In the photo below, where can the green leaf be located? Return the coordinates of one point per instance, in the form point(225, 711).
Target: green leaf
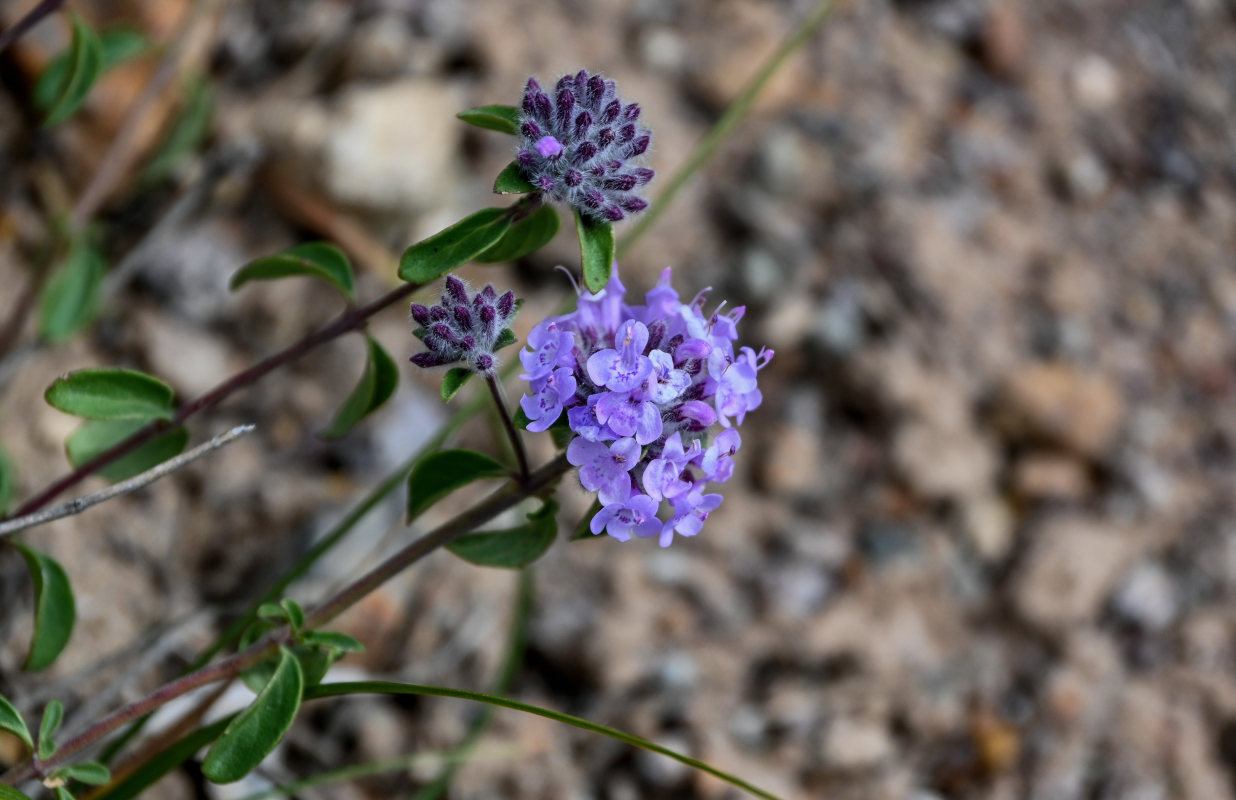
point(272, 612)
point(160, 765)
point(377, 384)
point(252, 735)
point(511, 180)
point(391, 688)
point(54, 609)
point(582, 529)
point(504, 119)
point(88, 772)
point(521, 419)
point(115, 46)
point(295, 614)
point(526, 236)
point(11, 721)
point(53, 715)
point(453, 381)
point(121, 44)
point(596, 251)
point(111, 394)
point(458, 244)
point(95, 436)
point(67, 87)
point(188, 131)
point(8, 481)
point(63, 794)
point(317, 259)
point(510, 548)
point(334, 641)
point(9, 793)
point(69, 301)
point(505, 339)
point(439, 474)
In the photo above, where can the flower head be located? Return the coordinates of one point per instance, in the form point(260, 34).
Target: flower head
point(641, 388)
point(579, 142)
point(464, 329)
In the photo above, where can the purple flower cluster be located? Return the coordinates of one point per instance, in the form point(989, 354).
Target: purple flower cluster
point(577, 144)
point(641, 387)
point(464, 330)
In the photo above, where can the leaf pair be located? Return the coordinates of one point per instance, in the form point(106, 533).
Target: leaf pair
point(69, 77)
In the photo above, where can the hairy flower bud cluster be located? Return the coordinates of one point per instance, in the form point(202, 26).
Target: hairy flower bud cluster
point(577, 142)
point(641, 387)
point(464, 329)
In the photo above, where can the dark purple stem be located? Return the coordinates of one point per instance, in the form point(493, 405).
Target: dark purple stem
point(517, 444)
point(345, 323)
point(32, 18)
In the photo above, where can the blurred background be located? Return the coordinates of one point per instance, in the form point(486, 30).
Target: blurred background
point(981, 542)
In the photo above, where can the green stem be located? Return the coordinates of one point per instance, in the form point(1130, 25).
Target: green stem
point(733, 115)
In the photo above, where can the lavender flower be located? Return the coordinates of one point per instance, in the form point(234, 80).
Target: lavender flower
point(464, 329)
point(578, 142)
point(641, 386)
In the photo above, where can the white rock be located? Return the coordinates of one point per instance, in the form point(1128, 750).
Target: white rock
point(1147, 597)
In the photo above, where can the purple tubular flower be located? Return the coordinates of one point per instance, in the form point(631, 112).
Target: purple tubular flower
point(463, 329)
point(586, 122)
point(644, 387)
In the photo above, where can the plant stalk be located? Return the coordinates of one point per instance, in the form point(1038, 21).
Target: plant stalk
point(512, 433)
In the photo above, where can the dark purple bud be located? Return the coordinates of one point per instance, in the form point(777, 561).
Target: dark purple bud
point(605, 136)
point(593, 198)
point(532, 87)
point(613, 165)
point(640, 145)
point(506, 305)
point(597, 172)
point(488, 292)
point(563, 82)
point(581, 82)
point(584, 153)
point(673, 344)
point(457, 289)
point(545, 183)
point(420, 314)
point(426, 360)
point(566, 108)
point(484, 362)
point(529, 103)
point(656, 332)
point(464, 317)
point(542, 107)
point(620, 183)
point(573, 177)
point(595, 91)
point(634, 204)
point(626, 133)
point(631, 112)
point(525, 158)
point(642, 175)
point(437, 314)
point(582, 123)
point(444, 332)
point(612, 213)
point(530, 129)
point(488, 317)
point(611, 112)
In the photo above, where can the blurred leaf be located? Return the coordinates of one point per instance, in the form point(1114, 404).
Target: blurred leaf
point(8, 481)
point(115, 46)
point(61, 91)
point(11, 721)
point(89, 772)
point(49, 726)
point(521, 419)
point(334, 641)
point(377, 384)
point(504, 119)
point(9, 793)
point(453, 381)
point(582, 529)
point(63, 794)
point(318, 259)
point(505, 339)
point(510, 548)
point(526, 236)
point(96, 436)
point(295, 614)
point(259, 728)
point(54, 610)
point(512, 181)
point(458, 244)
point(439, 474)
point(187, 133)
point(111, 394)
point(121, 44)
point(70, 298)
point(596, 251)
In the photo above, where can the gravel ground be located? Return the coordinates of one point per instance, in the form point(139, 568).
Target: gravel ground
point(981, 542)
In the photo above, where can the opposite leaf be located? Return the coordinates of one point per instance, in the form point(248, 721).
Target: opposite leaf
point(11, 721)
point(526, 236)
point(8, 482)
point(596, 251)
point(89, 772)
point(504, 119)
point(439, 474)
point(254, 734)
point(510, 548)
point(376, 386)
point(458, 244)
point(53, 715)
point(512, 181)
point(111, 394)
point(70, 86)
point(55, 610)
point(70, 299)
point(317, 259)
point(453, 381)
point(95, 436)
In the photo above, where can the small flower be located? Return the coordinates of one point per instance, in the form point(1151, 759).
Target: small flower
point(463, 329)
point(638, 514)
point(603, 468)
point(544, 407)
point(579, 143)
